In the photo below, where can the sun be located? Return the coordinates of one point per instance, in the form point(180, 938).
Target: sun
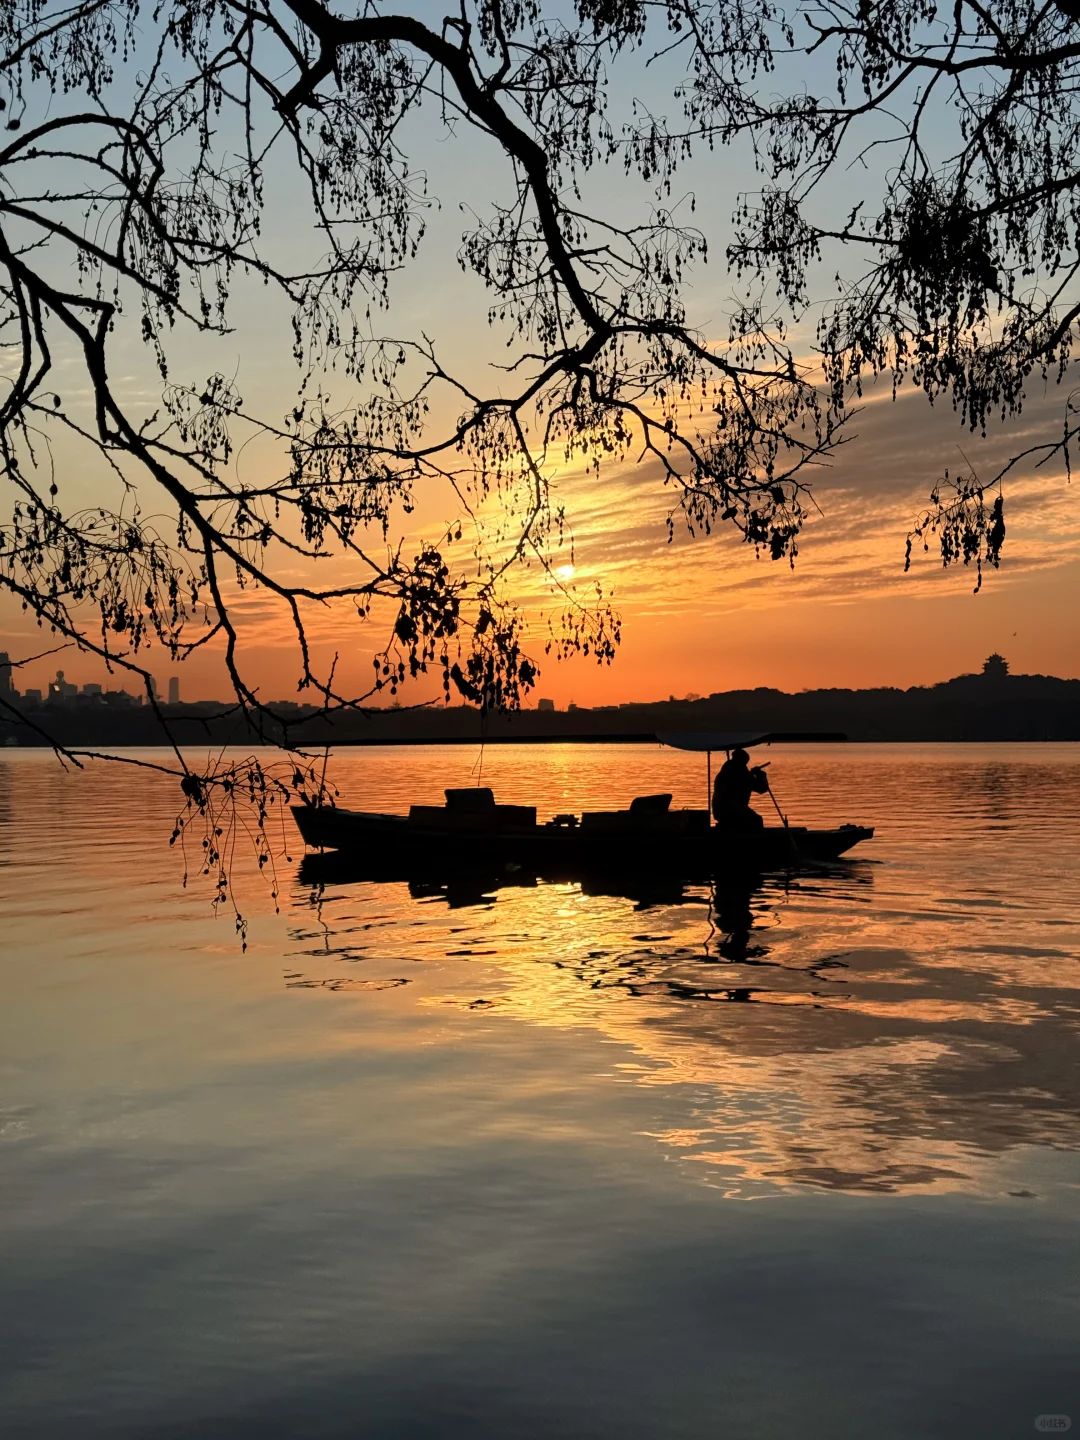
point(565, 572)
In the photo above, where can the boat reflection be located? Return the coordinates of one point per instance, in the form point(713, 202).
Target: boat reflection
point(462, 886)
point(738, 911)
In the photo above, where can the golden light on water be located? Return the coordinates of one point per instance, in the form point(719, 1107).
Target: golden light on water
point(841, 1030)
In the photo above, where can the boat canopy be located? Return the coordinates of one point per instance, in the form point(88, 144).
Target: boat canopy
point(727, 740)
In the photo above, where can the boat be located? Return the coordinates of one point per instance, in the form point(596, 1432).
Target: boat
point(648, 835)
point(472, 830)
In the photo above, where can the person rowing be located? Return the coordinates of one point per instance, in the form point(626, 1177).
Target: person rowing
point(735, 783)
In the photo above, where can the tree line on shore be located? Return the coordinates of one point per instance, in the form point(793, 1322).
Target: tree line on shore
point(991, 705)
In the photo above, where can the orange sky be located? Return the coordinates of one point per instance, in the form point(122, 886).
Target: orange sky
point(698, 615)
point(704, 614)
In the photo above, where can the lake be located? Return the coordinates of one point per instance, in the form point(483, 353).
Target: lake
point(520, 1160)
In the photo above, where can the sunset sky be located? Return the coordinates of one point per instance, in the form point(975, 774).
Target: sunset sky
point(698, 615)
point(704, 614)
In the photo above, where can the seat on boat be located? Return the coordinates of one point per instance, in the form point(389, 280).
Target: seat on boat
point(473, 811)
point(650, 804)
point(478, 799)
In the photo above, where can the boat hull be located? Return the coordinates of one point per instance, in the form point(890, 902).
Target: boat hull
point(393, 843)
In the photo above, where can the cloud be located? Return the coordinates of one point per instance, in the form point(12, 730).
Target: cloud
point(853, 549)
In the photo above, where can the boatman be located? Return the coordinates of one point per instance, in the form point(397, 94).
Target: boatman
point(735, 783)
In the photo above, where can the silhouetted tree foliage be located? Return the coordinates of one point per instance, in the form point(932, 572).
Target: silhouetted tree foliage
point(140, 149)
point(136, 160)
point(931, 153)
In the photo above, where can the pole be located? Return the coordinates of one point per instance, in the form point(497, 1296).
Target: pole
point(708, 783)
point(774, 800)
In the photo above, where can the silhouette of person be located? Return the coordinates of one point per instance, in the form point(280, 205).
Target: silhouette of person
point(735, 783)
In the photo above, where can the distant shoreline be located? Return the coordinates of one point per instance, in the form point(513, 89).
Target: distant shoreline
point(992, 706)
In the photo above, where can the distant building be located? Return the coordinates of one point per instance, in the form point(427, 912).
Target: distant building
point(61, 691)
point(32, 697)
point(571, 706)
point(92, 689)
point(174, 690)
point(995, 667)
point(547, 705)
point(7, 689)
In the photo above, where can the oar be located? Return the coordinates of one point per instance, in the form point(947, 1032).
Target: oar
point(774, 800)
point(793, 849)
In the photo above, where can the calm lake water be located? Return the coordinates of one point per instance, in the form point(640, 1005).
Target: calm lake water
point(801, 1160)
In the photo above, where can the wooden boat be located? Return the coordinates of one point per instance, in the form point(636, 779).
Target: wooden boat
point(471, 828)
